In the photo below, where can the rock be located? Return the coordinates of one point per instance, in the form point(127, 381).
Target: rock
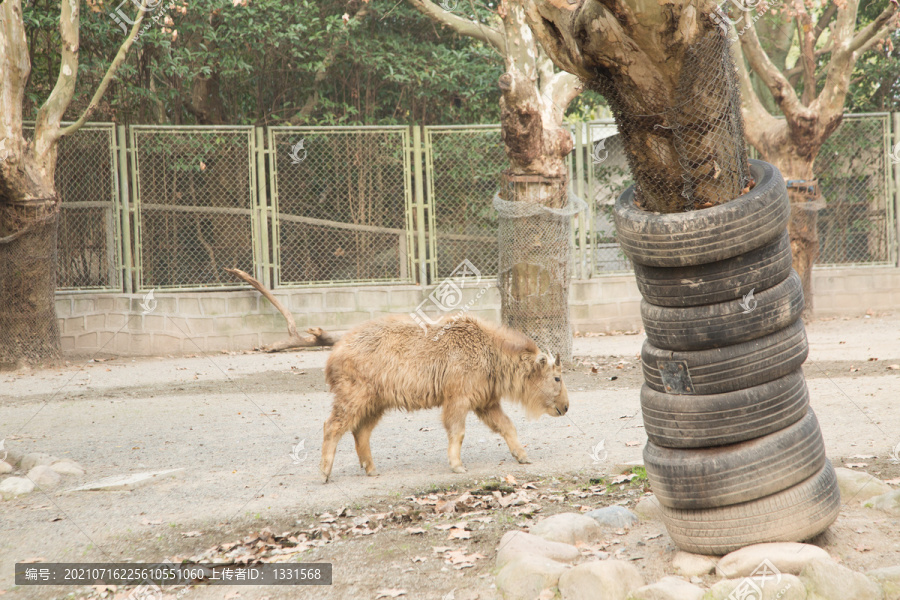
point(525, 577)
point(44, 477)
point(859, 486)
point(5, 467)
point(600, 580)
point(126, 482)
point(827, 580)
point(648, 508)
point(614, 516)
point(785, 587)
point(889, 502)
point(786, 557)
point(35, 459)
point(13, 457)
point(889, 579)
point(668, 588)
point(15, 486)
point(516, 543)
point(691, 565)
point(568, 528)
point(68, 467)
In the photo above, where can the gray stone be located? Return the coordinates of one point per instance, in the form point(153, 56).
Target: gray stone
point(15, 486)
point(827, 580)
point(126, 482)
point(889, 579)
point(786, 557)
point(785, 587)
point(5, 467)
point(68, 467)
point(600, 580)
point(568, 528)
point(35, 459)
point(614, 516)
point(525, 577)
point(889, 502)
point(516, 543)
point(668, 588)
point(648, 508)
point(858, 486)
point(13, 457)
point(691, 565)
point(44, 477)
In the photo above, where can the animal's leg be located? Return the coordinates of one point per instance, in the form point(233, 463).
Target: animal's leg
point(494, 417)
point(335, 427)
point(454, 417)
point(361, 434)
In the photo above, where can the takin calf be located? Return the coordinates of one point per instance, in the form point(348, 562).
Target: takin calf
point(462, 364)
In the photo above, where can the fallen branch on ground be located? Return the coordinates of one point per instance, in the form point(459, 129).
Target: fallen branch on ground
point(317, 336)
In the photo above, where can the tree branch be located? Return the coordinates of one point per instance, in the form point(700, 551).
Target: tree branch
point(824, 20)
point(781, 88)
point(876, 29)
point(757, 120)
point(461, 25)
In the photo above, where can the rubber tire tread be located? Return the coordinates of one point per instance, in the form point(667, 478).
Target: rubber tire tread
point(724, 323)
point(734, 367)
point(703, 236)
point(723, 475)
point(683, 421)
point(796, 514)
point(719, 281)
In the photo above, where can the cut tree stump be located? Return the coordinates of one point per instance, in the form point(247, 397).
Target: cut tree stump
point(317, 337)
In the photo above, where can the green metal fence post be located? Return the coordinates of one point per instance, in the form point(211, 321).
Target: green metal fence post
point(125, 209)
point(579, 254)
point(895, 159)
point(262, 210)
point(419, 203)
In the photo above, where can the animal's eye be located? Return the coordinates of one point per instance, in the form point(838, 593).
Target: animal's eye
point(556, 378)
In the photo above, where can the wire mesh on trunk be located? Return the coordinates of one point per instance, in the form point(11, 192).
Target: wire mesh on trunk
point(29, 330)
point(685, 147)
point(535, 247)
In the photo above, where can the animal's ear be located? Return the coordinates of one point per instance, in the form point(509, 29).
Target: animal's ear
point(557, 359)
point(541, 359)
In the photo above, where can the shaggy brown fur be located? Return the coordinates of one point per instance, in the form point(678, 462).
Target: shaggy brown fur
point(461, 365)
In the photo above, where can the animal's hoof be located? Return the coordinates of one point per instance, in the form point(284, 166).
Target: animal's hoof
point(523, 460)
point(459, 469)
point(324, 478)
point(372, 473)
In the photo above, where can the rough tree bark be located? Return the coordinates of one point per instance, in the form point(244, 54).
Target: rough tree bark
point(793, 143)
point(534, 97)
point(642, 57)
point(29, 205)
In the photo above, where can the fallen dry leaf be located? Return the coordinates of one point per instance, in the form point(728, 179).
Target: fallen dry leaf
point(893, 367)
point(893, 481)
point(35, 559)
point(856, 465)
point(191, 533)
point(510, 480)
point(448, 506)
point(633, 443)
point(390, 593)
point(414, 530)
point(863, 548)
point(418, 559)
point(441, 549)
point(459, 534)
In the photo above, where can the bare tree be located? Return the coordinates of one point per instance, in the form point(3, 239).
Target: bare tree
point(534, 97)
point(827, 43)
point(29, 204)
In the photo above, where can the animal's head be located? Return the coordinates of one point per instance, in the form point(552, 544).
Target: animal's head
point(545, 392)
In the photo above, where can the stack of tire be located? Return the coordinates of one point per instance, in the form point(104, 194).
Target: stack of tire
point(735, 455)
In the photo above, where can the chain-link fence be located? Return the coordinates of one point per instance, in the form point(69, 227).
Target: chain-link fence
point(194, 197)
point(343, 204)
point(463, 166)
point(857, 223)
point(608, 176)
point(88, 237)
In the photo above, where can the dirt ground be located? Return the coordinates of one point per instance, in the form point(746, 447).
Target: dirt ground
point(231, 421)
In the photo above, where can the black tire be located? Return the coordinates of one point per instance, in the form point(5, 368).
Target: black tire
point(796, 514)
point(673, 421)
point(711, 477)
point(708, 235)
point(719, 281)
point(732, 368)
point(724, 323)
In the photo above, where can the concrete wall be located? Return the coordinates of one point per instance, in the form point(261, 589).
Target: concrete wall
point(190, 322)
